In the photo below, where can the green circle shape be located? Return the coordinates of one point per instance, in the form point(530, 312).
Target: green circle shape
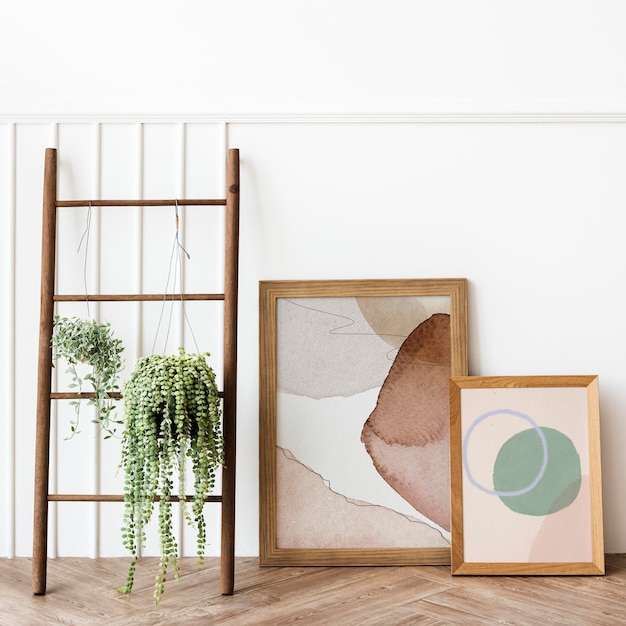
point(518, 462)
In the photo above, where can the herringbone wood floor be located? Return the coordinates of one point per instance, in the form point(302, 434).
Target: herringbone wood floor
point(81, 591)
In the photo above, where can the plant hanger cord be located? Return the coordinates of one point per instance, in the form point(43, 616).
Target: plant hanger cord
point(176, 258)
point(85, 238)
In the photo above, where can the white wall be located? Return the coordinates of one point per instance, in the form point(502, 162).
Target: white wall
point(396, 139)
point(284, 55)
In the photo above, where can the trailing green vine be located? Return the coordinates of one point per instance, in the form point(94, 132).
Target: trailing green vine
point(86, 341)
point(173, 413)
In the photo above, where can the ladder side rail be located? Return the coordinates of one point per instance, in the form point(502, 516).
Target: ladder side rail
point(44, 375)
point(231, 271)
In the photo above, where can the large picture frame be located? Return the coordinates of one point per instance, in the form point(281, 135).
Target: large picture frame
point(354, 419)
point(525, 475)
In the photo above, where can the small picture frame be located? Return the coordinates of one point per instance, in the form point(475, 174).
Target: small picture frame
point(525, 475)
point(354, 419)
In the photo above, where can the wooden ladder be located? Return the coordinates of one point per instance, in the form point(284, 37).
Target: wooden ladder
point(44, 384)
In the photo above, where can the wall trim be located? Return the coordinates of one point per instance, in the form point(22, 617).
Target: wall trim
point(449, 117)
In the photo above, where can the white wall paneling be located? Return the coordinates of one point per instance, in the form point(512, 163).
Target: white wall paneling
point(128, 250)
point(525, 206)
point(7, 323)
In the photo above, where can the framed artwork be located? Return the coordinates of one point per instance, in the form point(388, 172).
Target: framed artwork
point(354, 419)
point(525, 474)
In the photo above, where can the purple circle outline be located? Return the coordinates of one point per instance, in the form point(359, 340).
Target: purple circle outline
point(544, 444)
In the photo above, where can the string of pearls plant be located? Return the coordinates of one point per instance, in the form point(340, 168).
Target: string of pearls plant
point(173, 414)
point(86, 341)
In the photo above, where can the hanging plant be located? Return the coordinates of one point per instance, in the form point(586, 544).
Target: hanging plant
point(92, 343)
point(173, 414)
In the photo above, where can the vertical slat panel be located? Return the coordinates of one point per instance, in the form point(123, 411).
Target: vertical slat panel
point(94, 287)
point(76, 262)
point(139, 172)
point(120, 172)
point(30, 142)
point(9, 512)
point(180, 331)
point(203, 272)
point(162, 163)
point(139, 213)
point(181, 192)
point(53, 507)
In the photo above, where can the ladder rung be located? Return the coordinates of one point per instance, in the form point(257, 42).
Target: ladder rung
point(129, 203)
point(136, 297)
point(77, 497)
point(86, 395)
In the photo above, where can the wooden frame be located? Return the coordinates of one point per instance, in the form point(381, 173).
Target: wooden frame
point(525, 475)
point(337, 403)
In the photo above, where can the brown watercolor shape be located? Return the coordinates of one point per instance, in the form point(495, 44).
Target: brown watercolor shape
point(406, 435)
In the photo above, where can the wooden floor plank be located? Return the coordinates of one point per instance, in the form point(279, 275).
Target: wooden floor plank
point(520, 610)
point(453, 616)
point(82, 591)
point(586, 600)
point(339, 595)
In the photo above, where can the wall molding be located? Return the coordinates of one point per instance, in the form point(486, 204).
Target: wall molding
point(425, 117)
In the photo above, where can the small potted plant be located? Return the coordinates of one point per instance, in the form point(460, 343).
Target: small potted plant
point(91, 343)
point(172, 415)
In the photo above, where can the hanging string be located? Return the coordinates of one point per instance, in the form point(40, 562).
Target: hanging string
point(85, 238)
point(179, 246)
point(176, 259)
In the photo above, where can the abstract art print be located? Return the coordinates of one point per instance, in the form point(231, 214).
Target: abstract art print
point(525, 473)
point(354, 419)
